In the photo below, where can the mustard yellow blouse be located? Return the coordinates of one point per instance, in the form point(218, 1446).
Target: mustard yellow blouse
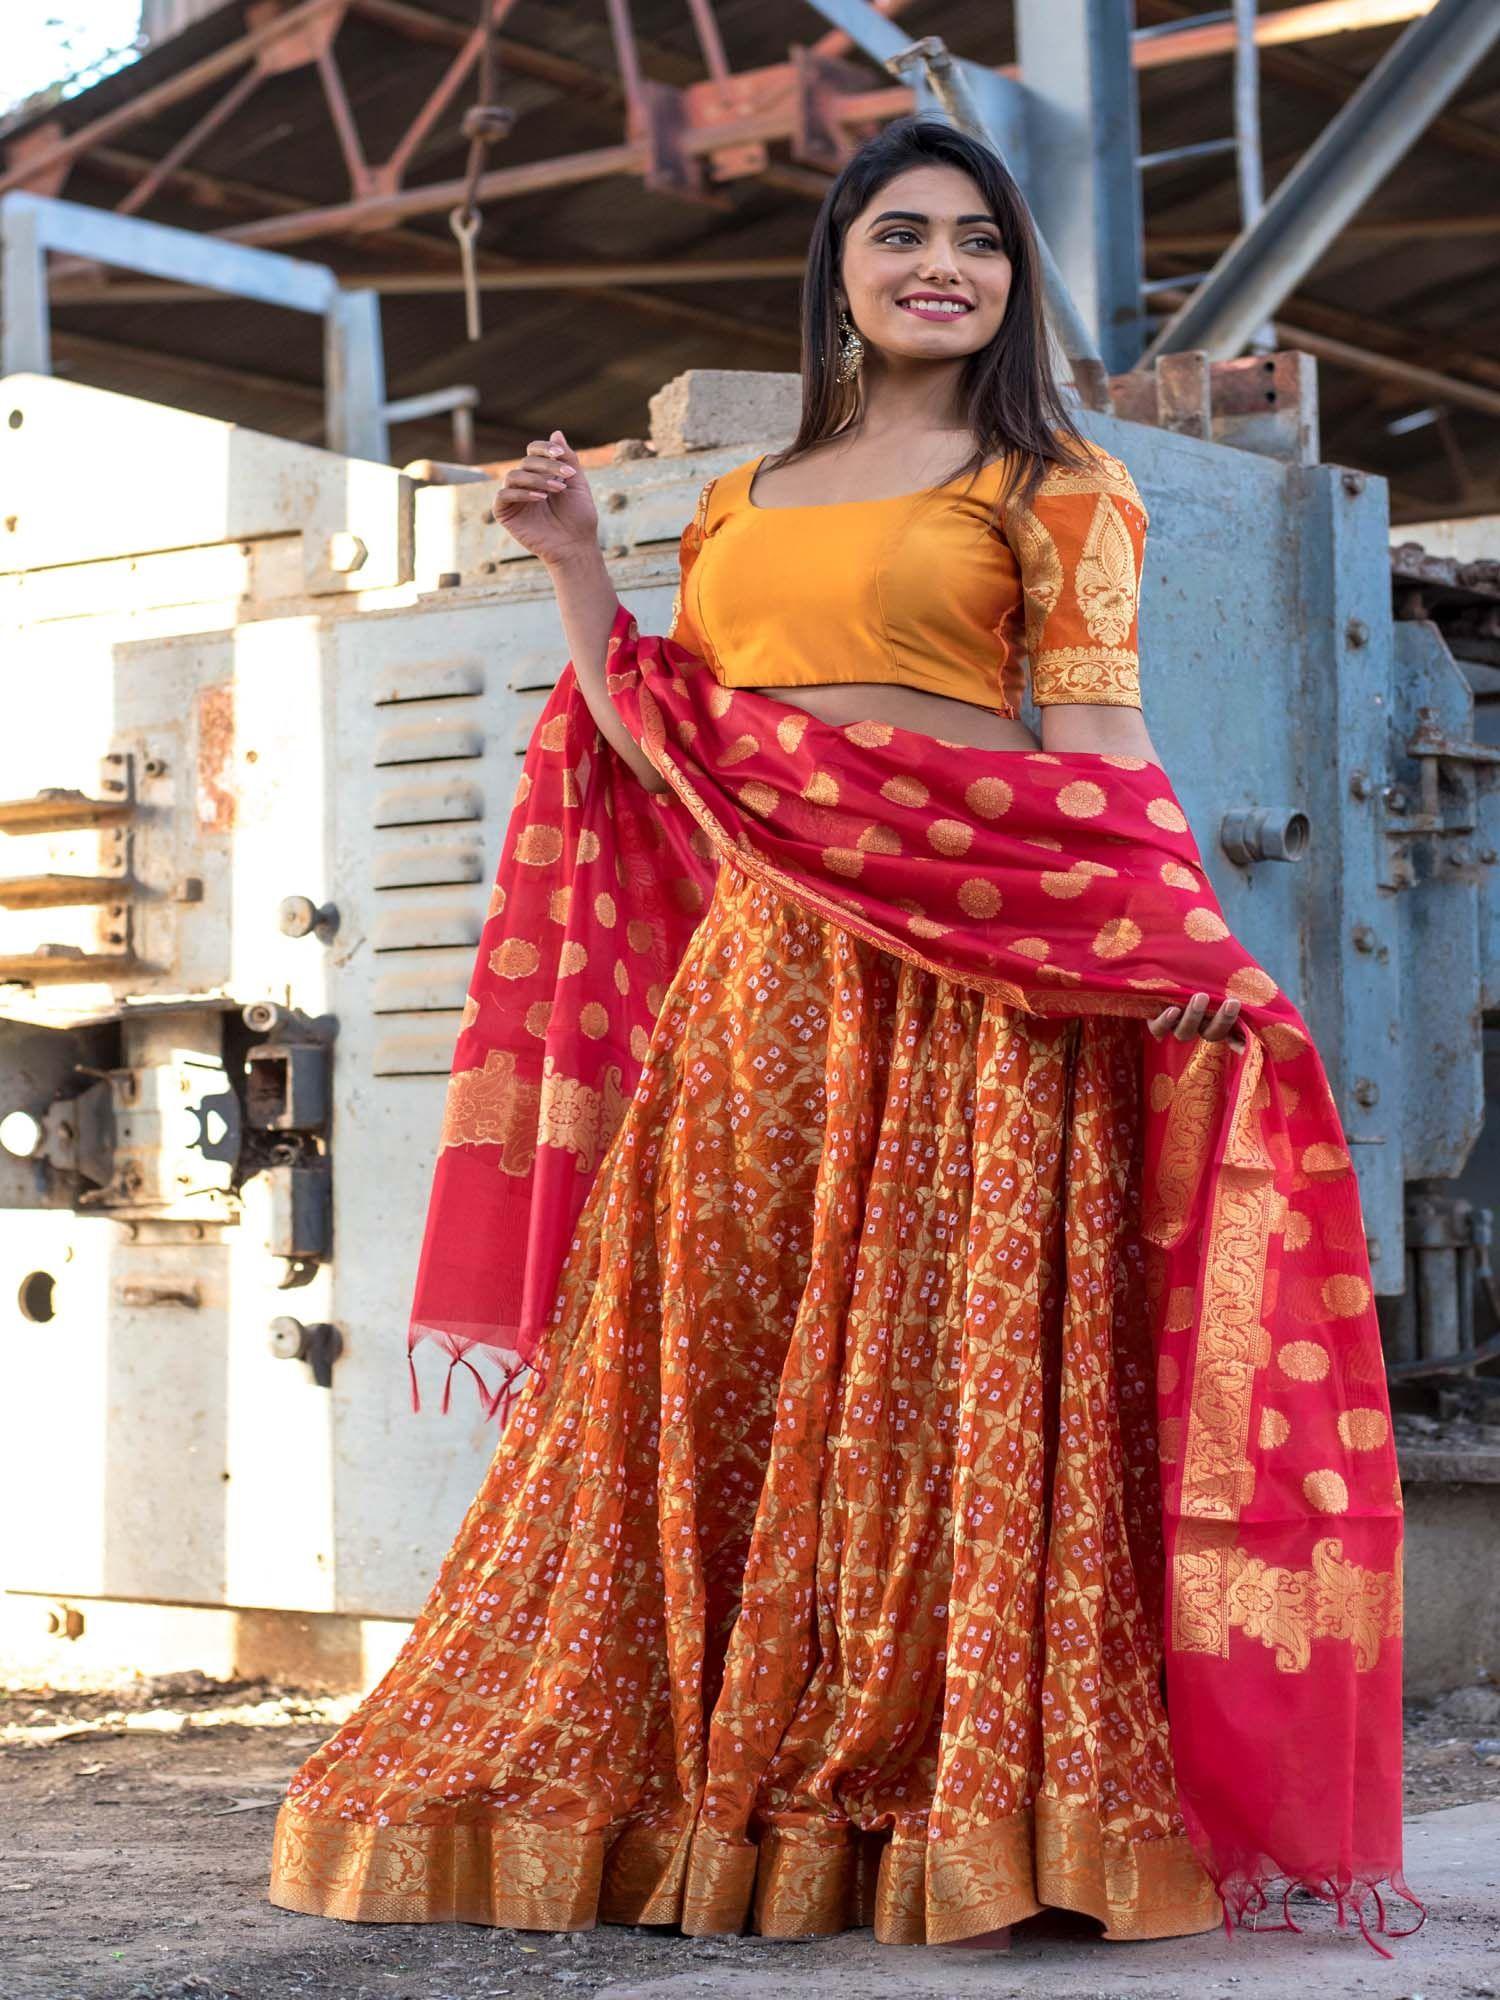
point(921, 590)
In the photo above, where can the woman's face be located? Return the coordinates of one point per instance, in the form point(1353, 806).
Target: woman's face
point(924, 274)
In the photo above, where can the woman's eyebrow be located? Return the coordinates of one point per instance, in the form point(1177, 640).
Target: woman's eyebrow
point(911, 215)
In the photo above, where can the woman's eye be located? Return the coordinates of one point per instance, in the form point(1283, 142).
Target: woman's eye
point(983, 242)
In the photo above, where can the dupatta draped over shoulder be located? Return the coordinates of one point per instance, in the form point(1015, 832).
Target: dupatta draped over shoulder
point(1067, 885)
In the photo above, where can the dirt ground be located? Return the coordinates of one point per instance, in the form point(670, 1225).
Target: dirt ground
point(135, 1822)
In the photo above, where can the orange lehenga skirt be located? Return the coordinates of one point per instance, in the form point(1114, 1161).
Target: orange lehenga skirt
point(819, 1582)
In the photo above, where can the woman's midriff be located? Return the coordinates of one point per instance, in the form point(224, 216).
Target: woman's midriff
point(937, 715)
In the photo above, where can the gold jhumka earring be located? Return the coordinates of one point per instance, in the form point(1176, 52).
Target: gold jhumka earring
point(851, 348)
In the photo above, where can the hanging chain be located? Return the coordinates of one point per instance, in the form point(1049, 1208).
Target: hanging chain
point(485, 121)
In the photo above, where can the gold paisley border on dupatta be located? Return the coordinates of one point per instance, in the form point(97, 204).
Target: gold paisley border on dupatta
point(797, 1881)
point(1232, 1343)
point(488, 1107)
point(1220, 1590)
point(576, 1118)
point(1192, 1119)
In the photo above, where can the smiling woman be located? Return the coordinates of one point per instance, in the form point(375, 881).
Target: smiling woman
point(954, 1474)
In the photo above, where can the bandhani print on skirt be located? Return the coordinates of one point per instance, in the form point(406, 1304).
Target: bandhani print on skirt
point(1067, 885)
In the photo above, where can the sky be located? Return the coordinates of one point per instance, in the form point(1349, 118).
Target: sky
point(46, 40)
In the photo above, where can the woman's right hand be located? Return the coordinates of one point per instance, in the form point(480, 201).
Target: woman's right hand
point(546, 504)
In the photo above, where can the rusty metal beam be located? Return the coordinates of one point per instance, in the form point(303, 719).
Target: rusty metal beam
point(342, 114)
point(565, 72)
point(378, 211)
point(390, 175)
point(211, 191)
point(1185, 45)
point(217, 114)
point(710, 42)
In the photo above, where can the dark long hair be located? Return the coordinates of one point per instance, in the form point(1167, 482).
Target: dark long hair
point(1013, 406)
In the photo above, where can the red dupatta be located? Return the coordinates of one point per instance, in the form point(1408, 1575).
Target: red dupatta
point(1067, 885)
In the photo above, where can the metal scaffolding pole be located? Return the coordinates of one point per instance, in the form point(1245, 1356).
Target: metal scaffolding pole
point(1390, 110)
point(1083, 169)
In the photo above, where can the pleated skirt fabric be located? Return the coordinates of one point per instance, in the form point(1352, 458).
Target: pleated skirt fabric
point(818, 1582)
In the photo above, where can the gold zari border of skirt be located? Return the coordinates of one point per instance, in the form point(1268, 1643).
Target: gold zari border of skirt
point(802, 1881)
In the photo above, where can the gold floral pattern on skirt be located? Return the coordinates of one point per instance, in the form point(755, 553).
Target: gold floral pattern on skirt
point(820, 1582)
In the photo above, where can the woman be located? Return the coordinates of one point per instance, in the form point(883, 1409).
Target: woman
point(954, 1476)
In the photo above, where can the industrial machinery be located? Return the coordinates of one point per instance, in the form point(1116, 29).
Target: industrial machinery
point(265, 706)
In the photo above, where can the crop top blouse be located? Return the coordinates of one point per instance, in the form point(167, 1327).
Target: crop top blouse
point(921, 590)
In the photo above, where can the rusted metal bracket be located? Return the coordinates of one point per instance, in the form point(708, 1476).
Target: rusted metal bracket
point(663, 119)
point(818, 137)
point(1266, 403)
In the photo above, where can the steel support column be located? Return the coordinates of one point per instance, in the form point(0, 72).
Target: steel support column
point(1389, 111)
point(1083, 182)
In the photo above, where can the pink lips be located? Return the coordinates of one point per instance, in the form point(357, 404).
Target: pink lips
point(915, 304)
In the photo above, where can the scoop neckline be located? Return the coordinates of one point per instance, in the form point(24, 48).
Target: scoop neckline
point(829, 506)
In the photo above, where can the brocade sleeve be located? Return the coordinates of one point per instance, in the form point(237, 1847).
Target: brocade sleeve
point(1079, 546)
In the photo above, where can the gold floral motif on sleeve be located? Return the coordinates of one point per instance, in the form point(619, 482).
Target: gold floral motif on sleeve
point(1078, 546)
point(1105, 578)
point(1041, 572)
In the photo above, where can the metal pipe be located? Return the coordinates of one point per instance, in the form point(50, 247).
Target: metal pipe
point(343, 120)
point(1198, 149)
point(435, 403)
point(1404, 92)
point(1250, 167)
point(1251, 171)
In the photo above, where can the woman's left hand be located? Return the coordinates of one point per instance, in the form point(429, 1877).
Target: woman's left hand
point(1185, 1022)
